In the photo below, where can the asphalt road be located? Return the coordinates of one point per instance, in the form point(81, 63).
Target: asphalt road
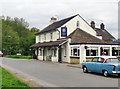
point(58, 75)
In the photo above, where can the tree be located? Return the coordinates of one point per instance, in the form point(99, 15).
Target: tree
point(16, 36)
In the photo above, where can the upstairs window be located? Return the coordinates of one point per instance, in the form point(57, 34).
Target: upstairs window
point(51, 36)
point(44, 37)
point(39, 38)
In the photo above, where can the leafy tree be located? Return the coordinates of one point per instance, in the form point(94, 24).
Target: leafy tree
point(16, 36)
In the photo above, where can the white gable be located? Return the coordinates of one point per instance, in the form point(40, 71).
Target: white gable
point(72, 25)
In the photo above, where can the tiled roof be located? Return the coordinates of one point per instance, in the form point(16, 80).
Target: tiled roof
point(48, 44)
point(106, 36)
point(80, 36)
point(55, 25)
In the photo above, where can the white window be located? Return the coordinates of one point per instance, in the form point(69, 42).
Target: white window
point(92, 51)
point(44, 37)
point(105, 50)
point(115, 51)
point(54, 52)
point(39, 38)
point(40, 52)
point(75, 51)
point(51, 36)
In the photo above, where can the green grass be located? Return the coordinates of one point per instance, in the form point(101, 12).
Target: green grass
point(10, 81)
point(18, 56)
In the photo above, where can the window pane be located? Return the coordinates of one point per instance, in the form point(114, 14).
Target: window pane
point(94, 52)
point(75, 52)
point(114, 52)
point(87, 53)
point(78, 52)
point(107, 52)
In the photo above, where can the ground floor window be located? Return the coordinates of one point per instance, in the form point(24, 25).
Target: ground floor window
point(115, 51)
point(92, 52)
point(40, 52)
point(75, 51)
point(105, 50)
point(54, 52)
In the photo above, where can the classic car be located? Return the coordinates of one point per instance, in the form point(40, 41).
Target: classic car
point(106, 65)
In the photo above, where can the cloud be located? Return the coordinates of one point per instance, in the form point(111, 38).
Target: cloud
point(39, 12)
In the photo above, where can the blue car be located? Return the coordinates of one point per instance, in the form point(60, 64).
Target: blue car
point(106, 65)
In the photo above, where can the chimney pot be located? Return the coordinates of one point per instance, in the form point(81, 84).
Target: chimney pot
point(53, 19)
point(102, 26)
point(92, 24)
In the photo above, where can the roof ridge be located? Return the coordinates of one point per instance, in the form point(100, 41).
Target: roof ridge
point(56, 24)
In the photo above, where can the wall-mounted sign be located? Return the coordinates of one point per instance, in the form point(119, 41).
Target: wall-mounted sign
point(63, 31)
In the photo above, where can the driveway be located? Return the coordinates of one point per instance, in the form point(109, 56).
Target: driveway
point(58, 75)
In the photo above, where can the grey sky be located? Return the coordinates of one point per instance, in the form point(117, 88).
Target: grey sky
point(39, 12)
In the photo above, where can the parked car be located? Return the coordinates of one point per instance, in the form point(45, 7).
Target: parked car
point(1, 54)
point(106, 65)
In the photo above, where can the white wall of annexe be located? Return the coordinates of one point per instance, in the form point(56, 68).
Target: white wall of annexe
point(79, 52)
point(83, 56)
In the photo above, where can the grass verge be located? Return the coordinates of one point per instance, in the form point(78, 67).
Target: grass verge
point(18, 56)
point(11, 82)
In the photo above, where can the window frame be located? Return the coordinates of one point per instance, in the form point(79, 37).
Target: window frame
point(90, 49)
point(77, 53)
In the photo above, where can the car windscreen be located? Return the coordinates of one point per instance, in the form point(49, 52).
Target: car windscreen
point(113, 60)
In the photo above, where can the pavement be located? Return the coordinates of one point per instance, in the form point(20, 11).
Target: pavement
point(48, 74)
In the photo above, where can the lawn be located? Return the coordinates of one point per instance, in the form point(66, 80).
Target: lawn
point(18, 56)
point(9, 81)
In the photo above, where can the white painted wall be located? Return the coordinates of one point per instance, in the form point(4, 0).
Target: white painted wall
point(55, 36)
point(40, 57)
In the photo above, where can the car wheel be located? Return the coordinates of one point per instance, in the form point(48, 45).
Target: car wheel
point(105, 73)
point(85, 69)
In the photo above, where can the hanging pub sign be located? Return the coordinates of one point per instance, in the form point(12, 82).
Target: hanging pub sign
point(63, 31)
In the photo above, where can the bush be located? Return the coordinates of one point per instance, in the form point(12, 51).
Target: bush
point(18, 56)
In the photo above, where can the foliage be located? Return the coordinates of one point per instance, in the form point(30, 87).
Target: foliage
point(19, 56)
point(16, 36)
point(8, 80)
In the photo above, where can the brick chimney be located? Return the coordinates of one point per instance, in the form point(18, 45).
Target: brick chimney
point(102, 26)
point(92, 24)
point(53, 19)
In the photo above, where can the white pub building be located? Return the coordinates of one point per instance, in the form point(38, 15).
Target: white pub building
point(73, 40)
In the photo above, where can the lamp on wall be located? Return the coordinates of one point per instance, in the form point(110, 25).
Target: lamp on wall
point(85, 47)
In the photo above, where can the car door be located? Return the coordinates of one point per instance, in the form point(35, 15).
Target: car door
point(92, 66)
point(99, 65)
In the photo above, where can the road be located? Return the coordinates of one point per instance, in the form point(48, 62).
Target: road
point(58, 75)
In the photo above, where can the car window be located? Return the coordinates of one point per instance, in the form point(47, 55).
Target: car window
point(101, 60)
point(113, 60)
point(95, 59)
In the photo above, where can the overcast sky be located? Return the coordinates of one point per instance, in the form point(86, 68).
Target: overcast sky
point(38, 12)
